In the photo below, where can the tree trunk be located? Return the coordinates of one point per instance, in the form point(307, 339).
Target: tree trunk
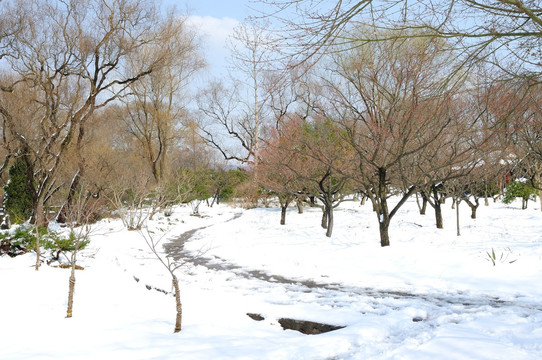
point(179, 307)
point(61, 217)
point(423, 209)
point(38, 212)
point(283, 214)
point(324, 219)
point(38, 217)
point(473, 206)
point(382, 210)
point(384, 222)
point(438, 209)
point(329, 211)
point(71, 288)
point(299, 204)
point(457, 217)
point(284, 201)
point(438, 215)
point(384, 233)
point(216, 198)
point(71, 291)
point(38, 251)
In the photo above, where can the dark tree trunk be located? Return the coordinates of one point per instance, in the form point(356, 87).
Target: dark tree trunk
point(324, 219)
point(473, 206)
point(284, 200)
point(215, 199)
point(383, 211)
point(329, 212)
point(438, 215)
point(283, 214)
point(423, 208)
point(437, 207)
point(384, 233)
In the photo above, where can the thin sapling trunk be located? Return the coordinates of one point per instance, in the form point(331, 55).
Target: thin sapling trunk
point(457, 201)
point(38, 251)
point(178, 305)
point(71, 288)
point(171, 265)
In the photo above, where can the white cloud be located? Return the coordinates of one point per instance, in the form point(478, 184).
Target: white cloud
point(214, 31)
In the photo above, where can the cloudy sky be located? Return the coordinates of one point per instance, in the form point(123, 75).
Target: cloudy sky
point(215, 20)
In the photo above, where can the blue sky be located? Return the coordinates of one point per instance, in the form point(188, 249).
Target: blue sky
point(236, 9)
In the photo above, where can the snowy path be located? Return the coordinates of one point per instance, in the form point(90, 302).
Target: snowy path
point(175, 249)
point(407, 321)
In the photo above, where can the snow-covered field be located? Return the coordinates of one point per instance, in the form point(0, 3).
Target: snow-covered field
point(430, 295)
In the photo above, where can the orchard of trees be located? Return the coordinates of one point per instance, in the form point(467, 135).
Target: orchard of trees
point(379, 100)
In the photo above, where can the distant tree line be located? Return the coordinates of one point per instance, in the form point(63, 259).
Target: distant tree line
point(382, 100)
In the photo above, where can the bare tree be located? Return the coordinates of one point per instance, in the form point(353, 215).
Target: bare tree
point(237, 110)
point(79, 215)
point(329, 166)
point(194, 152)
point(71, 58)
point(506, 33)
point(153, 113)
point(280, 167)
point(527, 132)
point(153, 240)
point(132, 202)
point(302, 158)
point(395, 105)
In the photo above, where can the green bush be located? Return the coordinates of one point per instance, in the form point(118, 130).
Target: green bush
point(18, 198)
point(58, 244)
point(23, 240)
point(20, 241)
point(519, 188)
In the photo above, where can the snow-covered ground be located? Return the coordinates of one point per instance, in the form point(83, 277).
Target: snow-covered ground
point(430, 295)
